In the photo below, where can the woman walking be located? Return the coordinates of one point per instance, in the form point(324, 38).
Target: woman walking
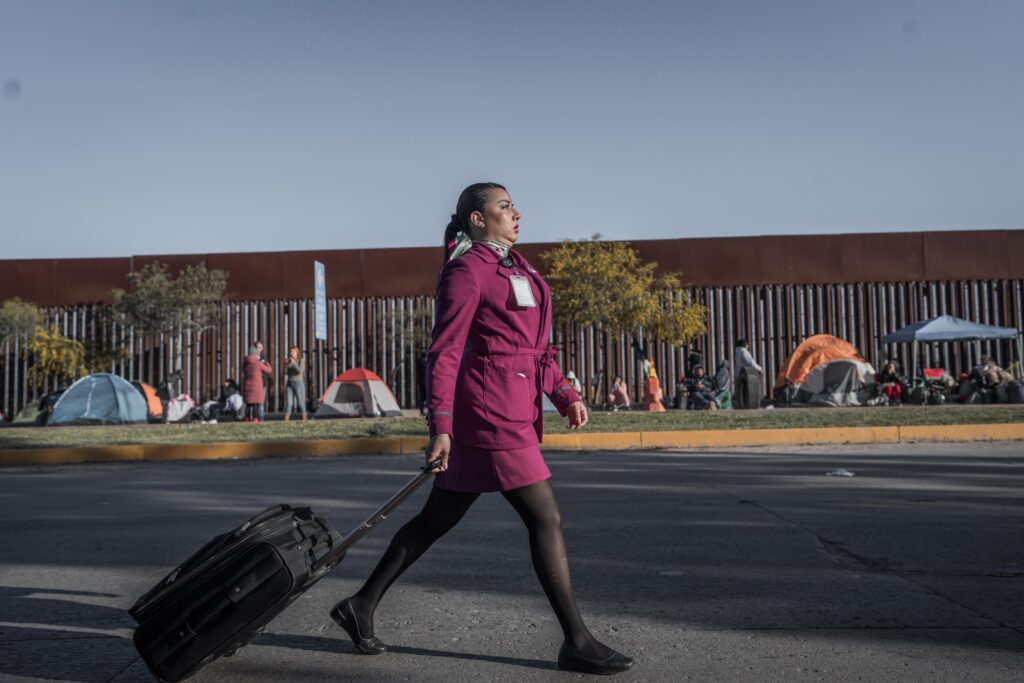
point(295, 386)
point(486, 369)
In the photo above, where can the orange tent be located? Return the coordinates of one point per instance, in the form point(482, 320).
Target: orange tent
point(812, 352)
point(153, 403)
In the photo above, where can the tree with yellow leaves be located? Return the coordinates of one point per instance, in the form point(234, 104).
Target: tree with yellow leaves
point(601, 283)
point(54, 356)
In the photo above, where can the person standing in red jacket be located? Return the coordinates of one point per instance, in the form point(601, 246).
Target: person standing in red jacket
point(487, 368)
point(254, 390)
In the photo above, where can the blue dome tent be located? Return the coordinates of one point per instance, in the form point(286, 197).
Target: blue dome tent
point(99, 399)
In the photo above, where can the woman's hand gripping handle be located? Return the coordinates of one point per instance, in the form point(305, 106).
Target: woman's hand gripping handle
point(437, 453)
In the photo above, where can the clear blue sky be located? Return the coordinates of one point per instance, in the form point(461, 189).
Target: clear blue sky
point(172, 127)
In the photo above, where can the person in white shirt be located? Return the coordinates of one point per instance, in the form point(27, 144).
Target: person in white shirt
point(748, 384)
point(574, 381)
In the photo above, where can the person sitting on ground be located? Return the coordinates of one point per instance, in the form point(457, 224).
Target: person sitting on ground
point(700, 390)
point(990, 373)
point(228, 404)
point(619, 397)
point(993, 378)
point(720, 383)
point(891, 385)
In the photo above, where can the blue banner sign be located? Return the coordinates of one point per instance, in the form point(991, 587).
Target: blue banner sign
point(320, 299)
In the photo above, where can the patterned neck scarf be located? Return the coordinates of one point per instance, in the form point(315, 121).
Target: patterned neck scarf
point(463, 243)
point(502, 249)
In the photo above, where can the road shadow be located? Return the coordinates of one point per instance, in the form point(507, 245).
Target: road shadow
point(48, 634)
point(334, 645)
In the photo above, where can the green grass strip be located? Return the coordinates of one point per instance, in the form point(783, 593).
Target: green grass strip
point(12, 438)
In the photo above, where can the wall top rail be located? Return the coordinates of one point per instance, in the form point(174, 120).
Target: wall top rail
point(412, 271)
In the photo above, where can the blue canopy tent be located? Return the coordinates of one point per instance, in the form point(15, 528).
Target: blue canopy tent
point(947, 328)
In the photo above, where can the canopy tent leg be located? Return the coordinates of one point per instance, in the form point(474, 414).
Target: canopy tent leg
point(1020, 356)
point(913, 360)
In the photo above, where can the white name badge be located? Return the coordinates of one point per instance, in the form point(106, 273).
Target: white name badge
point(521, 290)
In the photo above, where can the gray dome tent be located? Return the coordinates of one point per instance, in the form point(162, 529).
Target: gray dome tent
point(99, 399)
point(358, 393)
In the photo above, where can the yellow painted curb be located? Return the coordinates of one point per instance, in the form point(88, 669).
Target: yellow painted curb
point(769, 437)
point(572, 441)
point(414, 444)
point(70, 456)
point(601, 441)
point(989, 432)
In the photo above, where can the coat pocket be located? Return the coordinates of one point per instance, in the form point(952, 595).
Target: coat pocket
point(510, 390)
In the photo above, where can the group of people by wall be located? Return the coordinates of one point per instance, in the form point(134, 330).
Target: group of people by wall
point(697, 389)
point(986, 382)
point(248, 400)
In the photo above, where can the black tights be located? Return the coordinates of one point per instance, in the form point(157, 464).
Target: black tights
point(538, 509)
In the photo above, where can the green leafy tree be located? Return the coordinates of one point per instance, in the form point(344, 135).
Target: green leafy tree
point(54, 356)
point(18, 319)
point(602, 283)
point(158, 303)
point(104, 351)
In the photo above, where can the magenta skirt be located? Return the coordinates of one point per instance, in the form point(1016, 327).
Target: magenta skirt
point(476, 470)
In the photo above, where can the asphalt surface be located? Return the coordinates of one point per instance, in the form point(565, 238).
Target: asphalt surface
point(730, 566)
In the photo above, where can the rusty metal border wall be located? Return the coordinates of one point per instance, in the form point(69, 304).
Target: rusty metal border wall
point(774, 291)
point(376, 332)
point(705, 262)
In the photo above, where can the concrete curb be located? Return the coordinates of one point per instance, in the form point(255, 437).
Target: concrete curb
point(617, 441)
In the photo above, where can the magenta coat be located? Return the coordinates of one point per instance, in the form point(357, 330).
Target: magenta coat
point(490, 359)
point(253, 370)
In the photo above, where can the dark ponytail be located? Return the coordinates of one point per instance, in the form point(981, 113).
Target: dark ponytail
point(473, 198)
point(453, 228)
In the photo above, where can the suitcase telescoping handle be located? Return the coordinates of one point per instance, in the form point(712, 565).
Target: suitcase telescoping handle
point(382, 513)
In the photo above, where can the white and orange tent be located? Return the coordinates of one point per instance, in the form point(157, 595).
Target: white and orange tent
point(825, 370)
point(358, 393)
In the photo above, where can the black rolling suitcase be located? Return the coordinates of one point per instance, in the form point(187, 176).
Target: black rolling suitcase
point(225, 594)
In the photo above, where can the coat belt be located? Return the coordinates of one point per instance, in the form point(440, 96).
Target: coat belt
point(547, 353)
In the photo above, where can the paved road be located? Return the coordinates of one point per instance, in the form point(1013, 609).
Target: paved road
point(732, 566)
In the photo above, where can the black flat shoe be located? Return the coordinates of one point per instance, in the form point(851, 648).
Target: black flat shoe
point(571, 659)
point(345, 617)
